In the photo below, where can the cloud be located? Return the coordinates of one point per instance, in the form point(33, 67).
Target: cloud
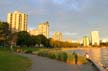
point(67, 16)
point(69, 34)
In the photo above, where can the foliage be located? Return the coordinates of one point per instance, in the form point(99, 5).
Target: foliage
point(23, 38)
point(81, 59)
point(104, 44)
point(72, 58)
point(42, 40)
point(61, 56)
point(59, 44)
point(28, 51)
point(4, 33)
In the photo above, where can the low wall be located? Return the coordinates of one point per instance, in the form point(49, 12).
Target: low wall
point(98, 65)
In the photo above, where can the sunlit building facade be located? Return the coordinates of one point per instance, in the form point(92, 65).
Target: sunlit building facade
point(57, 36)
point(95, 38)
point(34, 32)
point(17, 21)
point(69, 40)
point(43, 29)
point(86, 41)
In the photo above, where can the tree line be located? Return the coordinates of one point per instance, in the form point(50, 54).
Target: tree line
point(23, 38)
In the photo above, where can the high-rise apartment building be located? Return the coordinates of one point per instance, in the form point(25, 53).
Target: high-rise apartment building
point(43, 28)
point(57, 36)
point(86, 41)
point(95, 38)
point(69, 40)
point(17, 21)
point(34, 32)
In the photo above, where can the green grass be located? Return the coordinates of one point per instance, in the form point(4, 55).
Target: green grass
point(12, 62)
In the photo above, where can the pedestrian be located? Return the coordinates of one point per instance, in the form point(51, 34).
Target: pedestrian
point(76, 57)
point(87, 55)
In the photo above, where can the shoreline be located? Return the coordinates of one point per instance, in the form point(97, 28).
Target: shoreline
point(46, 64)
point(98, 65)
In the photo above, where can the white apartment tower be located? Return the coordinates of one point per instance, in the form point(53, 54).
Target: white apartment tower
point(86, 41)
point(57, 36)
point(34, 32)
point(17, 21)
point(95, 38)
point(43, 28)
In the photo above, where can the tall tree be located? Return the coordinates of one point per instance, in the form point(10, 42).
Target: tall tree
point(4, 33)
point(41, 39)
point(23, 38)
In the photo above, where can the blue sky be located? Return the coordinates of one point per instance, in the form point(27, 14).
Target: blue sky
point(74, 18)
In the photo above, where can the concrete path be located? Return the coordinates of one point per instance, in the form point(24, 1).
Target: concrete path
point(46, 64)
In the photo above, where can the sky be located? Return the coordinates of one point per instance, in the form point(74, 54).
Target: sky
point(74, 18)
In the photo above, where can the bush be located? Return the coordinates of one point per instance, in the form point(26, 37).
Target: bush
point(58, 56)
point(81, 59)
point(51, 55)
point(62, 56)
point(28, 51)
point(43, 53)
point(71, 58)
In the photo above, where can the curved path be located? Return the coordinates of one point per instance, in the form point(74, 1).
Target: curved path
point(46, 64)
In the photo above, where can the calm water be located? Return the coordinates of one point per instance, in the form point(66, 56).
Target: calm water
point(99, 55)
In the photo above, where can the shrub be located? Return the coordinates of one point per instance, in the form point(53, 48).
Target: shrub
point(43, 53)
point(52, 55)
point(70, 58)
point(58, 56)
point(28, 51)
point(62, 56)
point(81, 59)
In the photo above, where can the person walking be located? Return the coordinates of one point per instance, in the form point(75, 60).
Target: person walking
point(76, 58)
point(87, 55)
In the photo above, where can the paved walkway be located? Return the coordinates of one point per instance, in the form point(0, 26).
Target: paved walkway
point(46, 64)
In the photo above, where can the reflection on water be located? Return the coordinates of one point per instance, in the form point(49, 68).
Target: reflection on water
point(99, 55)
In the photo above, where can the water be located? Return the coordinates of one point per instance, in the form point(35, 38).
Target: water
point(99, 55)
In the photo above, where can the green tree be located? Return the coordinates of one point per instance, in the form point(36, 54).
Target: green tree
point(42, 40)
point(13, 39)
point(24, 38)
point(4, 33)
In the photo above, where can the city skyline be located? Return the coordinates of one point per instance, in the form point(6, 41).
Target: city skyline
point(74, 18)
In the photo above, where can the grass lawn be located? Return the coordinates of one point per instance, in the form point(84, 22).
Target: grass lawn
point(12, 62)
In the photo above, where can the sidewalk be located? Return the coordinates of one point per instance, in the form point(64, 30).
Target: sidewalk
point(46, 64)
